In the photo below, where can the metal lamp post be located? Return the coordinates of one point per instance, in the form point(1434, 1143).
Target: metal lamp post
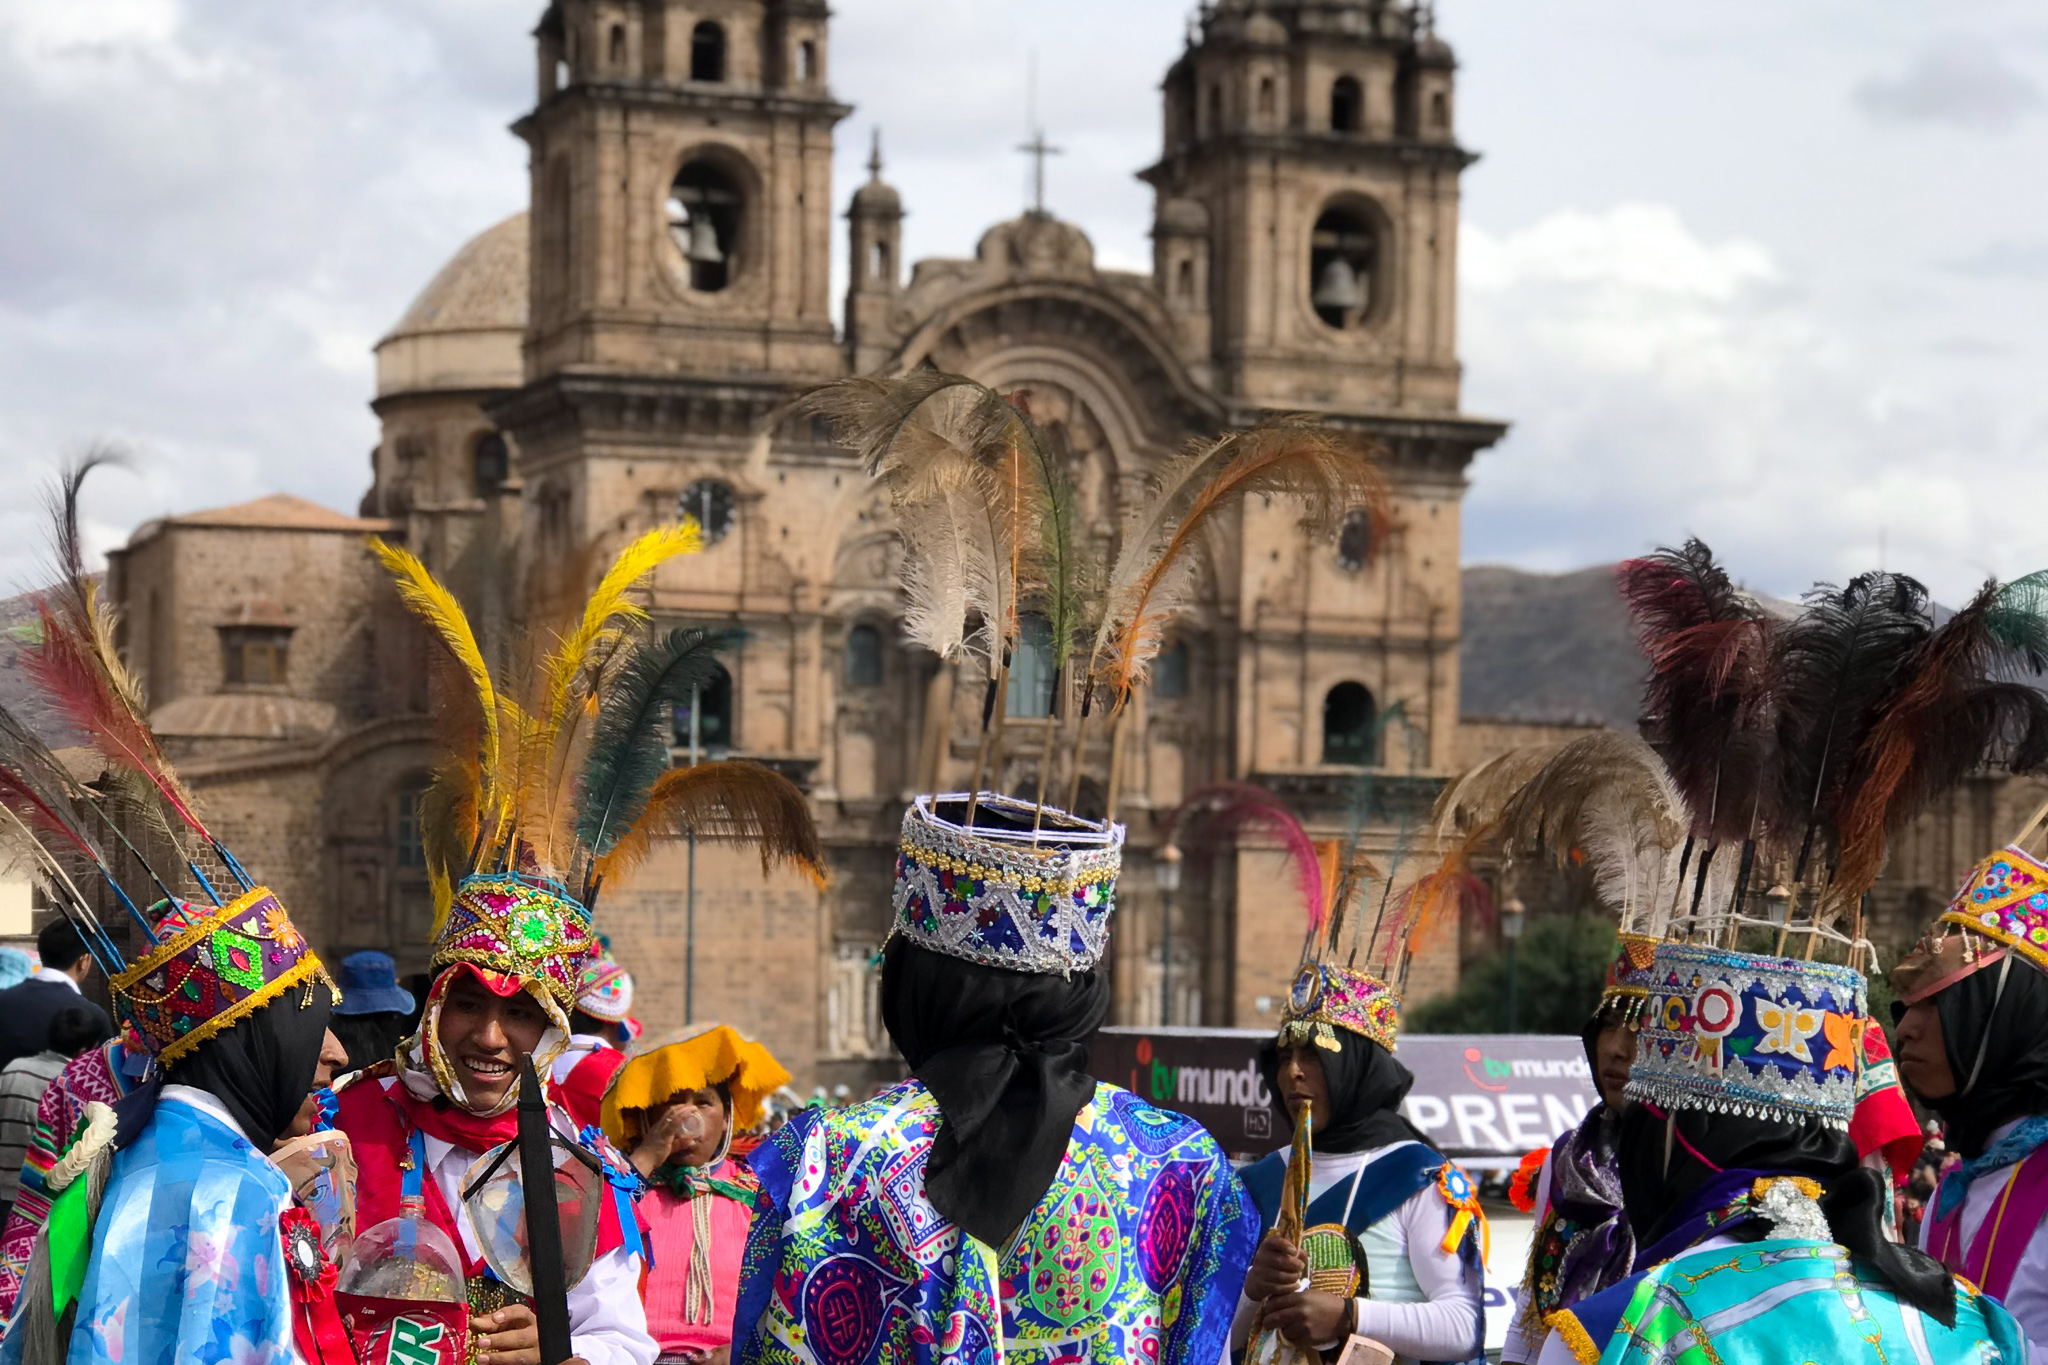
point(1512, 914)
point(690, 884)
point(1166, 874)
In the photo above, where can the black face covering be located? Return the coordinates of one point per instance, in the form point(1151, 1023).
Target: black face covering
point(262, 1068)
point(1366, 1088)
point(1997, 1045)
point(1852, 1198)
point(1005, 1054)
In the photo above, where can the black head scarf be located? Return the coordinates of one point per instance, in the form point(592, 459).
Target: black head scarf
point(1005, 1054)
point(1997, 1044)
point(1852, 1197)
point(262, 1068)
point(1366, 1088)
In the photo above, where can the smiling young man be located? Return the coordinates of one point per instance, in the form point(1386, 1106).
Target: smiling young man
point(417, 1125)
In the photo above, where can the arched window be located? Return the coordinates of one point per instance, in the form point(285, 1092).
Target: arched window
point(704, 207)
point(703, 726)
point(1031, 669)
point(863, 657)
point(1215, 109)
point(1354, 542)
point(1265, 94)
point(1439, 111)
point(618, 47)
point(1343, 253)
point(1348, 725)
point(878, 261)
point(1184, 280)
point(807, 60)
point(1347, 105)
point(1170, 671)
point(491, 463)
point(707, 52)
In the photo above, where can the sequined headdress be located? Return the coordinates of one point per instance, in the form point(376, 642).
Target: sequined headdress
point(225, 946)
point(2001, 910)
point(1739, 1033)
point(1023, 888)
point(1325, 997)
point(541, 799)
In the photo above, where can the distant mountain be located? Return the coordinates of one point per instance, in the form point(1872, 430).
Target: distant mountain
point(1548, 647)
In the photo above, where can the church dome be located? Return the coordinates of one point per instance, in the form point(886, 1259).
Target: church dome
point(878, 199)
point(464, 329)
point(1264, 30)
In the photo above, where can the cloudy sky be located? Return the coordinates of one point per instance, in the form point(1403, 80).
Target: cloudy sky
point(1772, 274)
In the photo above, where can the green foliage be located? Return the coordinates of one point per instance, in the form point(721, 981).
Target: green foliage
point(1559, 966)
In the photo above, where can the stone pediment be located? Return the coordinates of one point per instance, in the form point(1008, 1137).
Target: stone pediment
point(1034, 248)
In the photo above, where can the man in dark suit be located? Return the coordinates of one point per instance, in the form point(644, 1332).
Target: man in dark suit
point(26, 1010)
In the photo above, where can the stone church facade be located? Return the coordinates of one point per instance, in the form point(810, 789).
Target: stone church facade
point(625, 352)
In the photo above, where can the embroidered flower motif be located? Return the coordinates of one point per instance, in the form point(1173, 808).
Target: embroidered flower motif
point(1844, 1034)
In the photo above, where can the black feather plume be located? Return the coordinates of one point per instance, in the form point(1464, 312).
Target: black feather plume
point(1838, 662)
point(1706, 700)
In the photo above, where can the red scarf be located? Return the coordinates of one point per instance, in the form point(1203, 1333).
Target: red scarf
point(377, 1113)
point(442, 1118)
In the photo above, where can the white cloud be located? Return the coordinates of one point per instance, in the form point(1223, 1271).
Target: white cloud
point(1663, 384)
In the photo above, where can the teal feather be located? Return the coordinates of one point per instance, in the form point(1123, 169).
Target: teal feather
point(2018, 619)
point(629, 744)
point(1065, 584)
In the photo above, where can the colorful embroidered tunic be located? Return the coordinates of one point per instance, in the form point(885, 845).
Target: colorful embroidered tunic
point(188, 1265)
point(1777, 1300)
point(103, 1074)
point(1134, 1254)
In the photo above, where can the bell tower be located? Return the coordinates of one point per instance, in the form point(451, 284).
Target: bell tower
point(681, 161)
point(1314, 140)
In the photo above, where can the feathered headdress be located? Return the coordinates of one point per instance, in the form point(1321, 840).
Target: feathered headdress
point(215, 952)
point(538, 799)
point(547, 788)
point(986, 510)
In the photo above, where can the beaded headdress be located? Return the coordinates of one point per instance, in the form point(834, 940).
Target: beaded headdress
point(2002, 909)
point(604, 989)
point(1739, 1033)
point(225, 947)
point(1325, 997)
point(213, 967)
point(1023, 888)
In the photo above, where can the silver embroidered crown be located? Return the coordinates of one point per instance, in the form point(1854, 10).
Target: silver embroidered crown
point(1736, 1033)
point(1023, 890)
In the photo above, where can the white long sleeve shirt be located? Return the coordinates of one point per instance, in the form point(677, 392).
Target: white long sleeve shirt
point(607, 1321)
point(1445, 1323)
point(2027, 1298)
point(1517, 1348)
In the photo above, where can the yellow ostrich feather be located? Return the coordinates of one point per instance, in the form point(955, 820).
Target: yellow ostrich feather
point(437, 607)
point(578, 664)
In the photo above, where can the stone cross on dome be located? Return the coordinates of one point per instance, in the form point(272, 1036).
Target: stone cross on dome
point(1038, 149)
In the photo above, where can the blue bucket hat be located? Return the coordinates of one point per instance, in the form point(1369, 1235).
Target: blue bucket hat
point(369, 985)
